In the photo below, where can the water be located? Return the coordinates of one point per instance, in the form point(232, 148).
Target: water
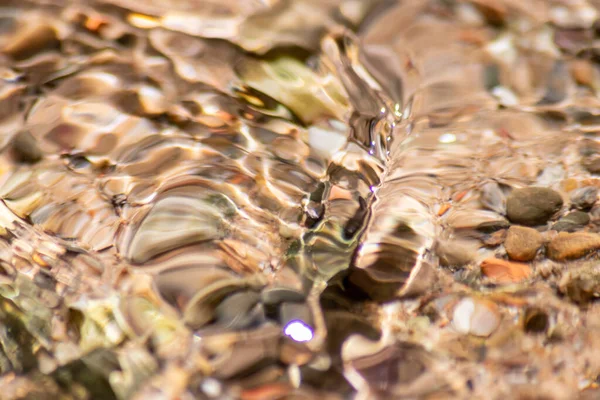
point(285, 199)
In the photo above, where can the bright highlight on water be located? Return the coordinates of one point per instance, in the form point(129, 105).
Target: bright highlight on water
point(298, 331)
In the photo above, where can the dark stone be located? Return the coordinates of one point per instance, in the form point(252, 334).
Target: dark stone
point(535, 321)
point(572, 222)
point(89, 372)
point(532, 206)
point(44, 280)
point(25, 148)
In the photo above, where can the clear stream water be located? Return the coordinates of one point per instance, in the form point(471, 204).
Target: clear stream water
point(275, 199)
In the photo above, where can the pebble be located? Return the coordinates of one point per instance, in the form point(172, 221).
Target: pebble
point(572, 245)
point(475, 317)
point(584, 198)
point(532, 206)
point(502, 271)
point(25, 148)
point(590, 155)
point(522, 243)
point(455, 252)
point(583, 71)
point(572, 222)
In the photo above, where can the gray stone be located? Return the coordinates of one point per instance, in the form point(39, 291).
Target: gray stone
point(585, 197)
point(572, 222)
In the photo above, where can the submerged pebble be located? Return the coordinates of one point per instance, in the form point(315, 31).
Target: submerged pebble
point(475, 317)
point(25, 148)
point(522, 243)
point(502, 271)
point(572, 245)
point(455, 253)
point(572, 222)
point(532, 206)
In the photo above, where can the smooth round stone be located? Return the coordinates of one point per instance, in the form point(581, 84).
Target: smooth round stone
point(532, 206)
point(522, 243)
point(572, 222)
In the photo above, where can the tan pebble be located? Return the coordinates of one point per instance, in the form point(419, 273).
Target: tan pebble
point(501, 271)
point(522, 243)
point(572, 245)
point(455, 252)
point(583, 72)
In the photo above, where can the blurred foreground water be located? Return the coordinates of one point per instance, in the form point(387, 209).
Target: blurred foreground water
point(299, 199)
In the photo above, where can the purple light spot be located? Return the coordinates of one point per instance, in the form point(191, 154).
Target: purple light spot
point(298, 331)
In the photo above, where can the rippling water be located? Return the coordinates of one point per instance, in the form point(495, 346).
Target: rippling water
point(274, 199)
